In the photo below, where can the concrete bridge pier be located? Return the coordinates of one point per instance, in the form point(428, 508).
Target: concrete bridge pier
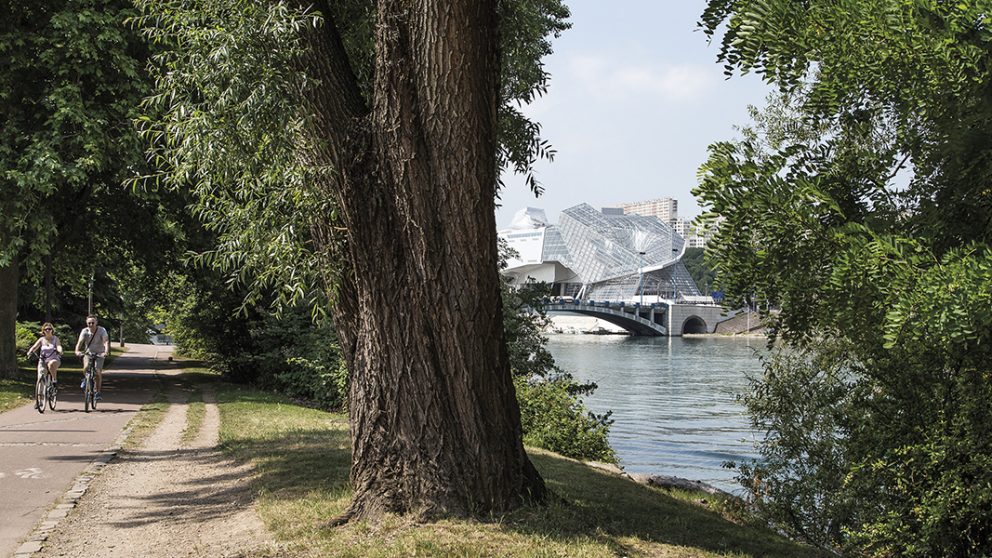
point(693, 318)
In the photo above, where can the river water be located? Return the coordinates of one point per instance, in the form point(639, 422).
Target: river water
point(674, 400)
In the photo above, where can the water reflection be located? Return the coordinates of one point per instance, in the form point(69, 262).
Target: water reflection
point(674, 400)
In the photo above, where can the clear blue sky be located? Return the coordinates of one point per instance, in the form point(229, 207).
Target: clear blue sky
point(636, 96)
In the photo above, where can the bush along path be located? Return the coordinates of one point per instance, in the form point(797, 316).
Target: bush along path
point(168, 498)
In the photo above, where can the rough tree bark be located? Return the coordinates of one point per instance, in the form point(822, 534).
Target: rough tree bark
point(8, 319)
point(434, 421)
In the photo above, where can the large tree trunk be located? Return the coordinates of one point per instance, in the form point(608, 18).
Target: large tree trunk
point(8, 319)
point(434, 420)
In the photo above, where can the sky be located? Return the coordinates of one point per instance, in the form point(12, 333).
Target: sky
point(635, 98)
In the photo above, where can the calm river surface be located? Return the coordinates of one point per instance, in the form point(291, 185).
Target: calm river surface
point(673, 399)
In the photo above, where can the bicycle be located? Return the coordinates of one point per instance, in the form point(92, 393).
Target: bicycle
point(45, 390)
point(89, 382)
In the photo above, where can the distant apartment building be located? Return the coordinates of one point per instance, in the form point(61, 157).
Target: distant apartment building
point(695, 234)
point(666, 209)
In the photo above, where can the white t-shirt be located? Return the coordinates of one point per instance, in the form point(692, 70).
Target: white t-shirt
point(94, 342)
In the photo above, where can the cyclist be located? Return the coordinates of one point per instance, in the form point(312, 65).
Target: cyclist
point(94, 338)
point(50, 355)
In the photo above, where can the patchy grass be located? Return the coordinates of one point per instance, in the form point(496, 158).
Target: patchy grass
point(302, 461)
point(147, 419)
point(194, 376)
point(196, 410)
point(152, 413)
point(194, 379)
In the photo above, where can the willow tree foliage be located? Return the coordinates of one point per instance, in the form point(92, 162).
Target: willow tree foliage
point(859, 203)
point(350, 153)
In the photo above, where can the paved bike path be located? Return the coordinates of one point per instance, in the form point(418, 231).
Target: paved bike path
point(41, 454)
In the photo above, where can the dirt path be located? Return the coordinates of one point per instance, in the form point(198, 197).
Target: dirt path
point(167, 499)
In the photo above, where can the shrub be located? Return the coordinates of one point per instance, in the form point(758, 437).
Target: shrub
point(552, 414)
point(248, 344)
point(554, 418)
point(877, 442)
point(27, 334)
point(311, 380)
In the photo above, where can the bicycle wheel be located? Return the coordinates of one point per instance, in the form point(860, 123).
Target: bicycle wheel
point(88, 395)
point(53, 394)
point(39, 395)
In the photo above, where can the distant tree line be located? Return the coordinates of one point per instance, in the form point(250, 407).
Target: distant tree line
point(700, 270)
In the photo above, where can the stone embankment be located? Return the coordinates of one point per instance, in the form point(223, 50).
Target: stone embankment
point(742, 324)
point(662, 481)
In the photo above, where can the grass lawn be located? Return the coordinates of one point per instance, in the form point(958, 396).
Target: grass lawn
point(302, 460)
point(17, 391)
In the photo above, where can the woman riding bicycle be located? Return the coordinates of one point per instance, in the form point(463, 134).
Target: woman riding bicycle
point(50, 355)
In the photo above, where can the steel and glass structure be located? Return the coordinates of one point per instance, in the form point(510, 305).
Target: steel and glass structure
point(597, 256)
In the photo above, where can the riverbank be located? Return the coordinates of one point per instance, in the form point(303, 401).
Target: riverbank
point(301, 459)
point(752, 335)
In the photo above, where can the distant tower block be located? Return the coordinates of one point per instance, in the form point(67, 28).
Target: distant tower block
point(666, 209)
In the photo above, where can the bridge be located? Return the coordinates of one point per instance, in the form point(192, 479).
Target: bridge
point(654, 319)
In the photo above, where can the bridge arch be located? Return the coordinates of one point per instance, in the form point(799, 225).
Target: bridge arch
point(694, 324)
point(632, 320)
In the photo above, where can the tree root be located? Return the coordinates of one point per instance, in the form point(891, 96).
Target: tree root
point(339, 520)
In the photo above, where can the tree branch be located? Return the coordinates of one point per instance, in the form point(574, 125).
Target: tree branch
point(336, 102)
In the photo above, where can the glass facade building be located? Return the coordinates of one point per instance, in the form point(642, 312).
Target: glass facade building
point(601, 256)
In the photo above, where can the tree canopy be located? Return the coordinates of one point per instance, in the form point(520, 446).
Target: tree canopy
point(72, 82)
point(858, 204)
point(250, 187)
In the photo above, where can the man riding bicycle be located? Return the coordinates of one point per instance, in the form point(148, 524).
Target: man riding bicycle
point(94, 339)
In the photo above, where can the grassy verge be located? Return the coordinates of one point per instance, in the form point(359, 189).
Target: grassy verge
point(18, 390)
point(147, 419)
point(302, 462)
